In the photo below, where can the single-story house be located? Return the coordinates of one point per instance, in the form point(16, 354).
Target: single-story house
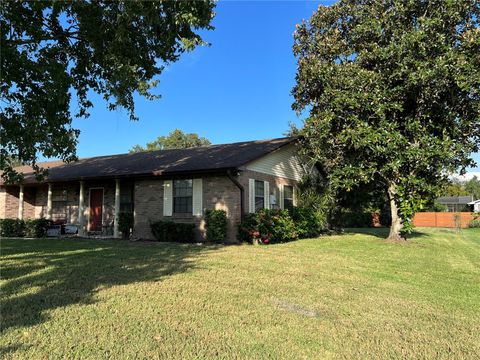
point(167, 184)
point(456, 203)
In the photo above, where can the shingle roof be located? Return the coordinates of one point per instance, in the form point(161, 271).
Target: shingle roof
point(210, 158)
point(450, 200)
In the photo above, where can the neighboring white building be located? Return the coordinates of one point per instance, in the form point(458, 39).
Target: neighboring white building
point(476, 205)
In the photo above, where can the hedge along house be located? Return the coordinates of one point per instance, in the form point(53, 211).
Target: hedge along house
point(177, 185)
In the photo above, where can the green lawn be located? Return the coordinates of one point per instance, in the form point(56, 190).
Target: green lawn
point(348, 296)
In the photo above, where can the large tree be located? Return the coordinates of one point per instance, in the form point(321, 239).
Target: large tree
point(53, 51)
point(177, 139)
point(392, 91)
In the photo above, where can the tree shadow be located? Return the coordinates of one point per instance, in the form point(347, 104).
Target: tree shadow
point(45, 274)
point(383, 232)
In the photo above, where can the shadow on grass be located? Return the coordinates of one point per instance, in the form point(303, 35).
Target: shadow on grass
point(383, 232)
point(45, 274)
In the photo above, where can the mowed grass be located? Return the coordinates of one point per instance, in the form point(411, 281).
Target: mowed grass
point(345, 296)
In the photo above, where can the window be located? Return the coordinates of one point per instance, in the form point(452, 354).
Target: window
point(288, 197)
point(259, 195)
point(182, 196)
point(59, 203)
point(126, 203)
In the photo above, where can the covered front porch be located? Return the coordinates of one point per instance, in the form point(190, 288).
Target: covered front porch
point(93, 207)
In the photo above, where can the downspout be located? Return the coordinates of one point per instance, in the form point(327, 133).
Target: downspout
point(242, 192)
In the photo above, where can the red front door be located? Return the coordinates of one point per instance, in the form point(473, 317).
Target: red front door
point(96, 208)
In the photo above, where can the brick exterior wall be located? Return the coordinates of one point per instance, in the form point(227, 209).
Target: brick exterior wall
point(11, 202)
point(3, 196)
point(218, 193)
point(29, 195)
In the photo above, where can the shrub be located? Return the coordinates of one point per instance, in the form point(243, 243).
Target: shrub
point(125, 224)
point(475, 223)
point(12, 228)
point(169, 231)
point(216, 224)
point(37, 228)
point(247, 228)
point(308, 222)
point(268, 226)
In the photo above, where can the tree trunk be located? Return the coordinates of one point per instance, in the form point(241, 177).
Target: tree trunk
point(396, 225)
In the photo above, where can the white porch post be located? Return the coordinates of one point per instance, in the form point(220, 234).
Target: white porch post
point(116, 231)
point(49, 202)
point(81, 209)
point(20, 203)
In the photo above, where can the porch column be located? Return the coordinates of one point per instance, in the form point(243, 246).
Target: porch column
point(49, 202)
point(81, 209)
point(20, 203)
point(116, 231)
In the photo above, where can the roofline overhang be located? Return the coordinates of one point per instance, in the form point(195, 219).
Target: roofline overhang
point(159, 174)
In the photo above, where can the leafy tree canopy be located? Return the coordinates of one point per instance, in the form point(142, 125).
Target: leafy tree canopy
point(177, 139)
point(393, 94)
point(53, 52)
point(459, 188)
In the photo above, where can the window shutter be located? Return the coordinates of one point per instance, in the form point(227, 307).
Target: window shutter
point(167, 197)
point(281, 197)
point(197, 200)
point(294, 200)
point(251, 195)
point(266, 190)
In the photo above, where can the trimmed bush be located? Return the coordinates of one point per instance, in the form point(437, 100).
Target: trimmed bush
point(169, 231)
point(216, 225)
point(308, 222)
point(125, 224)
point(12, 228)
point(37, 228)
point(267, 226)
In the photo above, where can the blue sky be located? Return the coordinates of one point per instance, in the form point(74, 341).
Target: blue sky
point(237, 89)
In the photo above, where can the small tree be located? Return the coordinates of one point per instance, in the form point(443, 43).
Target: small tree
point(393, 94)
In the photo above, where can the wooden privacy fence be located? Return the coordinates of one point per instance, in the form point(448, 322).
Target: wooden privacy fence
point(442, 219)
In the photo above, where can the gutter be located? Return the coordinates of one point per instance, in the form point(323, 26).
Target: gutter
point(242, 192)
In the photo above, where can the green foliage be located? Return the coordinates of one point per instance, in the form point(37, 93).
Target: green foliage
point(169, 231)
point(354, 219)
point(53, 51)
point(268, 226)
point(216, 225)
point(37, 228)
point(12, 228)
point(436, 207)
point(309, 222)
point(125, 223)
point(474, 223)
point(459, 188)
point(177, 139)
point(393, 95)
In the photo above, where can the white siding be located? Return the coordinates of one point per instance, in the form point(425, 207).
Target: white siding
point(281, 163)
point(281, 196)
point(167, 197)
point(197, 200)
point(266, 194)
point(251, 195)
